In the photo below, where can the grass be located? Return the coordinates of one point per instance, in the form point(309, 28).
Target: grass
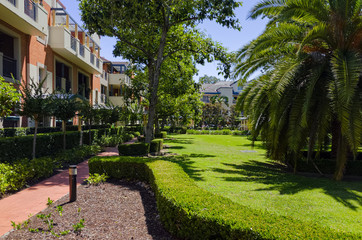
point(228, 166)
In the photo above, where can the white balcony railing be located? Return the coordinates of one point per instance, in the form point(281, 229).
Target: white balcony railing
point(62, 42)
point(26, 15)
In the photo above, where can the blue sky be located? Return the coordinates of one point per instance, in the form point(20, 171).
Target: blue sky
point(229, 38)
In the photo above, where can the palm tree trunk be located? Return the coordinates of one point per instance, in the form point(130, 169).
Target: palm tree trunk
point(341, 159)
point(64, 130)
point(34, 138)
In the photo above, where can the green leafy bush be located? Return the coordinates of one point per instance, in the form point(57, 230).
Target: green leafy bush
point(162, 134)
point(136, 134)
point(156, 145)
point(190, 212)
point(128, 137)
point(15, 175)
point(135, 149)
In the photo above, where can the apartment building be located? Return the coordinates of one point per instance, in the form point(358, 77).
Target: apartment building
point(114, 81)
point(228, 89)
point(40, 40)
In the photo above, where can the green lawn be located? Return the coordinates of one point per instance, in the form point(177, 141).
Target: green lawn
point(228, 166)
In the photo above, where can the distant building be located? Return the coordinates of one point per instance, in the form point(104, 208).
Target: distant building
point(228, 89)
point(114, 81)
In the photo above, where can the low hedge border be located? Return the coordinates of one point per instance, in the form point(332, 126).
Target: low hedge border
point(14, 176)
point(218, 132)
point(190, 212)
point(156, 145)
point(162, 134)
point(135, 149)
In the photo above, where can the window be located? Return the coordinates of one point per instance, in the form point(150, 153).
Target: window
point(42, 77)
point(62, 77)
point(96, 97)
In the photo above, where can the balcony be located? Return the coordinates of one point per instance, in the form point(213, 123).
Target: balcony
point(116, 100)
point(118, 79)
point(26, 15)
point(71, 42)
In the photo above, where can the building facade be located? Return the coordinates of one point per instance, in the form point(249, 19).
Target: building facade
point(114, 82)
point(39, 40)
point(230, 90)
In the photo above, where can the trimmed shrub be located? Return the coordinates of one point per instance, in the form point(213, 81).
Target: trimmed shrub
point(156, 145)
point(136, 134)
point(135, 149)
point(141, 138)
point(14, 176)
point(190, 212)
point(135, 128)
point(162, 134)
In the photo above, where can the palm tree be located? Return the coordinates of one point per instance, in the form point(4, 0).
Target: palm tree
point(311, 54)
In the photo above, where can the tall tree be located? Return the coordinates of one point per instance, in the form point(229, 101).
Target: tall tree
point(35, 104)
point(64, 107)
point(149, 32)
point(311, 55)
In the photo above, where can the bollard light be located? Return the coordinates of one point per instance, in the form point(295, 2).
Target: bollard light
point(72, 183)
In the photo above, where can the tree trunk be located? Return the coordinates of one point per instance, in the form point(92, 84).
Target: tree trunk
point(64, 138)
point(90, 133)
point(341, 159)
point(34, 138)
point(80, 132)
point(157, 125)
point(153, 87)
point(335, 129)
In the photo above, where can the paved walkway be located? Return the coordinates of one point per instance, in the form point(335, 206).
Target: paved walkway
point(32, 200)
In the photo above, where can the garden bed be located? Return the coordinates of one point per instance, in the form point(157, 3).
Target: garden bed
point(113, 210)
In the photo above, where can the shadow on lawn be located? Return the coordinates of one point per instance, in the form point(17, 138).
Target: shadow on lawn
point(287, 183)
point(179, 141)
point(187, 164)
point(257, 145)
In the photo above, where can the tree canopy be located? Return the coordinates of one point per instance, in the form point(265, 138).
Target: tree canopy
point(149, 32)
point(208, 79)
point(311, 56)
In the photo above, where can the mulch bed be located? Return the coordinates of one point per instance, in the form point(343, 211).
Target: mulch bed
point(113, 210)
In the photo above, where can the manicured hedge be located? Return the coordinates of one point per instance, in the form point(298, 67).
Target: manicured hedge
point(162, 134)
point(48, 144)
point(134, 128)
point(135, 149)
point(217, 132)
point(14, 176)
point(190, 212)
point(156, 145)
point(181, 130)
point(14, 132)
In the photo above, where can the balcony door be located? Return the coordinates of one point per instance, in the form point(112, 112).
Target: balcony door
point(63, 82)
point(83, 85)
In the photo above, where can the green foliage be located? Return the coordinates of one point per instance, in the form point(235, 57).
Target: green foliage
point(15, 175)
point(311, 80)
point(162, 134)
point(160, 31)
point(78, 226)
point(134, 149)
point(15, 148)
point(96, 179)
point(156, 145)
point(9, 98)
point(217, 132)
point(48, 220)
point(136, 134)
point(190, 212)
point(208, 79)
